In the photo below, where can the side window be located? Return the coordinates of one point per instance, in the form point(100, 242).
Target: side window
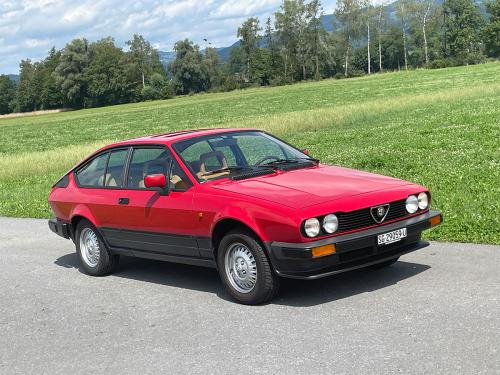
point(148, 161)
point(92, 173)
point(114, 172)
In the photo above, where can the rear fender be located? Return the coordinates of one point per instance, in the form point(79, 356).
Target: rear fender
point(83, 211)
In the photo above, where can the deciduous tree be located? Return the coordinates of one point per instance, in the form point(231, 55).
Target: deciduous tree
point(69, 73)
point(462, 30)
point(7, 94)
point(348, 13)
point(248, 33)
point(188, 71)
point(491, 31)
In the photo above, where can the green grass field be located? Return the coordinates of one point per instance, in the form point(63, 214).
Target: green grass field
point(439, 128)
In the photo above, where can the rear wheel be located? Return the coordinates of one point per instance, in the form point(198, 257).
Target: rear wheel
point(387, 263)
point(245, 269)
point(95, 257)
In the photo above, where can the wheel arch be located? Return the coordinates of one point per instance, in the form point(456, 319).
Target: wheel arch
point(80, 213)
point(228, 224)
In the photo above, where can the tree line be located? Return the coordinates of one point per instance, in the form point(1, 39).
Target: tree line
point(366, 38)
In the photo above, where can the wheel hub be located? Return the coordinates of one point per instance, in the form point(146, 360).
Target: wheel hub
point(89, 247)
point(241, 268)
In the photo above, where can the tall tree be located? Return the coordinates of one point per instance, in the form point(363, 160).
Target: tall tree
point(286, 28)
point(144, 58)
point(188, 71)
point(69, 73)
point(49, 95)
point(213, 64)
point(381, 17)
point(426, 7)
point(348, 13)
point(314, 35)
point(491, 31)
point(248, 33)
point(369, 15)
point(402, 11)
point(105, 75)
point(271, 45)
point(26, 92)
point(7, 94)
point(462, 29)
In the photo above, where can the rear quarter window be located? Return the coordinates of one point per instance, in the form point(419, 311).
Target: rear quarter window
point(92, 173)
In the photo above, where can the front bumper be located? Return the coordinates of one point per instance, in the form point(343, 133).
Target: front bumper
point(60, 228)
point(353, 250)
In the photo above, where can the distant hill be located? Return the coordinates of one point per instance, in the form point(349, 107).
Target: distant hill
point(13, 77)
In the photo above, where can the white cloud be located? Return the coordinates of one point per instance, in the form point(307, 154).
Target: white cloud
point(29, 28)
point(34, 43)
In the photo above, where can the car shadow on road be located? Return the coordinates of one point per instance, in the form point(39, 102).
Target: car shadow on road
point(297, 293)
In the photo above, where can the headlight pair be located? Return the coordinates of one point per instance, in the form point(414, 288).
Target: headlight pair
point(414, 202)
point(312, 227)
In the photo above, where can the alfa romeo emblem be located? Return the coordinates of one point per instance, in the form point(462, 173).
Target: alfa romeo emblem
point(379, 213)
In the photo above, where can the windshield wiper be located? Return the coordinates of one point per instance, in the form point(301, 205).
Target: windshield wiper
point(292, 160)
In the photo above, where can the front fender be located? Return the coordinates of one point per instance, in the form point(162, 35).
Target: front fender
point(268, 222)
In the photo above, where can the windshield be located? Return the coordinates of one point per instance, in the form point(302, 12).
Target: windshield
point(221, 155)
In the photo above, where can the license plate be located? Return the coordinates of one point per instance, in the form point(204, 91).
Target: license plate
point(391, 237)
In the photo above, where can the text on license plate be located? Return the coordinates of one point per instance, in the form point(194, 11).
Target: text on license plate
point(390, 237)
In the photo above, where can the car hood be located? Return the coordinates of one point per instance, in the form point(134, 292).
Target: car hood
point(310, 186)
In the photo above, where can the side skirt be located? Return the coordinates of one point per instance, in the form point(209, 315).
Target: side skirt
point(209, 263)
point(160, 246)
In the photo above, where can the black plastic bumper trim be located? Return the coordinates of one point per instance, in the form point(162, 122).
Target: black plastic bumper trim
point(361, 263)
point(60, 228)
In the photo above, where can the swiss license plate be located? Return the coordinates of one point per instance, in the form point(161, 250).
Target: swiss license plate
point(391, 237)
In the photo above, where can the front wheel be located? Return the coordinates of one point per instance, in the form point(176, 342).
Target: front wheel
point(95, 257)
point(245, 269)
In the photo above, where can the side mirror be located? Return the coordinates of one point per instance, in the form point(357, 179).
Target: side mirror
point(156, 181)
point(305, 151)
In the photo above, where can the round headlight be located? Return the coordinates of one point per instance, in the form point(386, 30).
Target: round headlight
point(311, 227)
point(330, 223)
point(412, 204)
point(423, 201)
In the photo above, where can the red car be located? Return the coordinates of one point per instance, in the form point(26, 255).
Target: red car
point(239, 200)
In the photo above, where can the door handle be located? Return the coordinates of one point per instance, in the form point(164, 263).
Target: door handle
point(123, 201)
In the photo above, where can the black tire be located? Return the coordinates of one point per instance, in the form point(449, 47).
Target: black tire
point(267, 283)
point(107, 262)
point(385, 264)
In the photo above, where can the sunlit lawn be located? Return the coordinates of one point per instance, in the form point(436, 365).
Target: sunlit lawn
point(440, 128)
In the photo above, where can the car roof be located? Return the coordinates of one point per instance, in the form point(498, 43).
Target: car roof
point(175, 136)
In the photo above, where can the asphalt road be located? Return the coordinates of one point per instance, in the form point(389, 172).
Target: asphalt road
point(437, 311)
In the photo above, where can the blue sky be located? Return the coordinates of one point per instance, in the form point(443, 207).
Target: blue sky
point(29, 28)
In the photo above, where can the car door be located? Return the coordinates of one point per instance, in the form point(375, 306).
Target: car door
point(151, 222)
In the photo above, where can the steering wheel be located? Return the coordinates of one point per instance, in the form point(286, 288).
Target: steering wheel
point(266, 158)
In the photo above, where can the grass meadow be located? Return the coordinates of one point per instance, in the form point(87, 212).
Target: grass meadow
point(439, 128)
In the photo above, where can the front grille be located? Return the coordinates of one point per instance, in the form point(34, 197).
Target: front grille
point(363, 218)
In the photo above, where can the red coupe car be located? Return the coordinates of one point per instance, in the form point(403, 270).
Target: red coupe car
point(239, 200)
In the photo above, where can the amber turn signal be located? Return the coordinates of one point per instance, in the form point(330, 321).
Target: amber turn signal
point(435, 220)
point(321, 251)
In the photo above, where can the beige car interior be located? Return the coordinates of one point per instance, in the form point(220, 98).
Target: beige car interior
point(109, 179)
point(205, 161)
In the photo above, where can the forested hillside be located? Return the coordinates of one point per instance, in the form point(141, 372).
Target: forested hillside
point(300, 43)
